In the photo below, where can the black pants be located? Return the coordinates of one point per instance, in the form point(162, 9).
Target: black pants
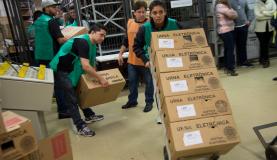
point(264, 38)
point(70, 102)
point(229, 45)
point(241, 34)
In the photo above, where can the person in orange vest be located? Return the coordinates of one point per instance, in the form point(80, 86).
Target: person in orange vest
point(135, 65)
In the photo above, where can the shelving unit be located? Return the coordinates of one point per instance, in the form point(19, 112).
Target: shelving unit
point(113, 14)
point(19, 14)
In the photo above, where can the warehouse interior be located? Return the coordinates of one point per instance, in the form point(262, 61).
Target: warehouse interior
point(132, 134)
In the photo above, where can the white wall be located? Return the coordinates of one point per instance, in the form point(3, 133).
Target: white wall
point(2, 9)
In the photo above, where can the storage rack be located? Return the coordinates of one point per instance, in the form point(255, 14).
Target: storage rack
point(113, 14)
point(19, 21)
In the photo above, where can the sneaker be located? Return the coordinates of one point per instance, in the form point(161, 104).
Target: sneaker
point(148, 108)
point(129, 105)
point(94, 118)
point(231, 72)
point(266, 64)
point(86, 132)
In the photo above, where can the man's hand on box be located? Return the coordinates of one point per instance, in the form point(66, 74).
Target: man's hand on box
point(104, 82)
point(120, 59)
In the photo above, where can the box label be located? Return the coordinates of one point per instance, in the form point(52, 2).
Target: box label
point(59, 146)
point(179, 86)
point(192, 138)
point(166, 43)
point(174, 62)
point(186, 111)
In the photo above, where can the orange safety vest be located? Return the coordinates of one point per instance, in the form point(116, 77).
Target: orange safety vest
point(132, 29)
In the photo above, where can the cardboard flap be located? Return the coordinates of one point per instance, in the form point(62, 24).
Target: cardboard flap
point(72, 31)
point(13, 121)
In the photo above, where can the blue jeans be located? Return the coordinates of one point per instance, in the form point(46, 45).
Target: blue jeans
point(69, 102)
point(229, 45)
point(134, 73)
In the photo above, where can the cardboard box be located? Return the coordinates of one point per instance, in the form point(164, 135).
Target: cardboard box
point(178, 39)
point(184, 59)
point(56, 147)
point(19, 140)
point(188, 82)
point(38, 121)
point(72, 31)
point(202, 136)
point(91, 93)
point(195, 106)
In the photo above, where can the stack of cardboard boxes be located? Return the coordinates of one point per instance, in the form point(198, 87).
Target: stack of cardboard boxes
point(194, 106)
point(18, 141)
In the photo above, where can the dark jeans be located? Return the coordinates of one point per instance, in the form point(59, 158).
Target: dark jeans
point(229, 57)
point(264, 38)
point(69, 103)
point(134, 73)
point(241, 34)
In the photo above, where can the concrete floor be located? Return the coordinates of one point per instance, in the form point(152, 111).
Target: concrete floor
point(134, 135)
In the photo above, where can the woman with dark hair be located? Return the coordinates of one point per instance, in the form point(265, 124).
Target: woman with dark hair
point(225, 28)
point(158, 22)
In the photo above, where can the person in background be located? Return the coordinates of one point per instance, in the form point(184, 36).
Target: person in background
point(71, 21)
point(48, 39)
point(77, 56)
point(264, 10)
point(72, 18)
point(242, 23)
point(135, 65)
point(47, 26)
point(158, 22)
point(225, 28)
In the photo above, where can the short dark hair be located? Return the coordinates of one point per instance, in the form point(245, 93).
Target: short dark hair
point(97, 27)
point(71, 7)
point(139, 4)
point(155, 3)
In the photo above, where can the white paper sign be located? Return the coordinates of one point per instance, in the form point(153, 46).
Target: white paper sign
point(179, 86)
point(166, 43)
point(192, 138)
point(186, 111)
point(174, 62)
point(181, 3)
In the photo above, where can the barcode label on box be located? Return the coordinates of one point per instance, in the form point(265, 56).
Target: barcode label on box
point(166, 43)
point(192, 138)
point(179, 86)
point(174, 62)
point(186, 111)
